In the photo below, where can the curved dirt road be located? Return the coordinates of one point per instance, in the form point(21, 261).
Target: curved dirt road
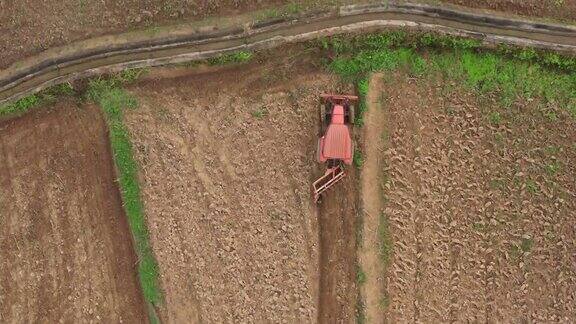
point(183, 43)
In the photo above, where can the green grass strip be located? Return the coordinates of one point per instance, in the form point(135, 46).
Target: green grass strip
point(509, 77)
point(113, 100)
point(25, 104)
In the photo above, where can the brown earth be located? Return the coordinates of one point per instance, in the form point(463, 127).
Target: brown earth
point(65, 249)
point(30, 26)
point(227, 159)
point(482, 216)
point(558, 9)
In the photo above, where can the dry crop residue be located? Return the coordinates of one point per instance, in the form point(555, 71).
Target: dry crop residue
point(226, 163)
point(66, 252)
point(482, 215)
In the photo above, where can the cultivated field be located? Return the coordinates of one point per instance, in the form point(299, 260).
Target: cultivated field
point(227, 159)
point(557, 9)
point(65, 250)
point(480, 203)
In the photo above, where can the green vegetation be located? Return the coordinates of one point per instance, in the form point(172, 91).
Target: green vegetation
point(44, 97)
point(113, 100)
point(236, 57)
point(495, 118)
point(385, 240)
point(260, 113)
point(360, 276)
point(51, 94)
point(363, 85)
point(509, 73)
point(553, 168)
point(526, 244)
point(358, 159)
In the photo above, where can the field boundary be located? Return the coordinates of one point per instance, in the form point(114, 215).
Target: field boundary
point(112, 100)
point(186, 43)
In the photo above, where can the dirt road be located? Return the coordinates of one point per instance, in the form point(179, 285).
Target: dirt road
point(65, 249)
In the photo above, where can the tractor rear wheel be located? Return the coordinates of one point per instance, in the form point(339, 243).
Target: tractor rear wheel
point(351, 115)
point(322, 118)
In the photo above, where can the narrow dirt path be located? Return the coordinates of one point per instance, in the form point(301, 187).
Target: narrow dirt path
point(371, 203)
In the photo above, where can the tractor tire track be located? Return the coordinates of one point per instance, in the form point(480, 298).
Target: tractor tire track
point(185, 43)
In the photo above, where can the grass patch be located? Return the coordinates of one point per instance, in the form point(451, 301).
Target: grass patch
point(509, 73)
point(236, 57)
point(260, 113)
point(495, 118)
point(552, 168)
point(44, 97)
point(360, 276)
point(50, 95)
point(113, 100)
point(362, 85)
point(526, 244)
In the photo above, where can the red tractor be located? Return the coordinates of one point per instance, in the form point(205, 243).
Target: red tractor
point(335, 146)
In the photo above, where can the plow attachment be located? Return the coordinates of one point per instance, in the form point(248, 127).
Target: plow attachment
point(331, 177)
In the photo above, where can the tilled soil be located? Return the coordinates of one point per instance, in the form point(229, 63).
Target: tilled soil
point(227, 160)
point(65, 248)
point(482, 216)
